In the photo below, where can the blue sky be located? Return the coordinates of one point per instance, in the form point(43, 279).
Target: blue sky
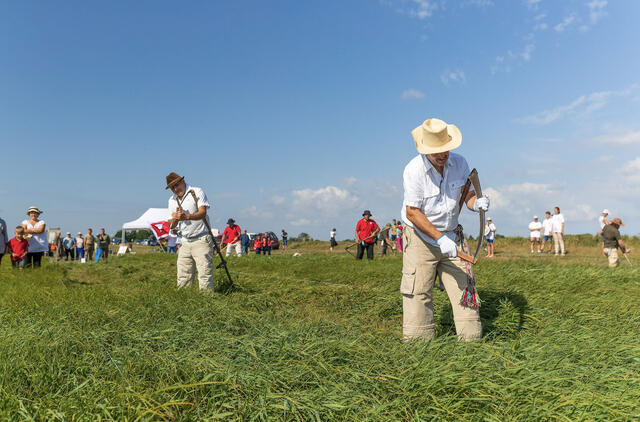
point(298, 115)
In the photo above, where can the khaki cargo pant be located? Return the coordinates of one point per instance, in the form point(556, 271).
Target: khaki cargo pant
point(196, 254)
point(421, 262)
point(612, 255)
point(558, 242)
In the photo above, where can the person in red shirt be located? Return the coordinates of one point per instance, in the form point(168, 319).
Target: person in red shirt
point(366, 230)
point(231, 237)
point(18, 246)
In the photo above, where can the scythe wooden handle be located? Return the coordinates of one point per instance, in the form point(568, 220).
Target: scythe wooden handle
point(468, 258)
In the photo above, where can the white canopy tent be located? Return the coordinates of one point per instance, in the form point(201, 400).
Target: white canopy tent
point(152, 215)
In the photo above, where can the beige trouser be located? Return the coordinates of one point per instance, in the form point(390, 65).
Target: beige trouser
point(196, 254)
point(421, 262)
point(612, 255)
point(558, 242)
point(237, 246)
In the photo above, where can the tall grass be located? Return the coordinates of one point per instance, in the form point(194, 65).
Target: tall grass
point(315, 337)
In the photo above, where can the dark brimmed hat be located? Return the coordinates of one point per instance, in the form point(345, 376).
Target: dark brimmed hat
point(173, 179)
point(366, 212)
point(231, 221)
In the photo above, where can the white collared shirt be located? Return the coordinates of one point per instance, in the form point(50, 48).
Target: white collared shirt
point(436, 196)
point(558, 220)
point(190, 228)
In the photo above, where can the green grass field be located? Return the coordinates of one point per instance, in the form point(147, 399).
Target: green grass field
point(318, 337)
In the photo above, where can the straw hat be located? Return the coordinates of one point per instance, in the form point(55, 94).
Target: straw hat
point(435, 136)
point(33, 209)
point(617, 222)
point(173, 179)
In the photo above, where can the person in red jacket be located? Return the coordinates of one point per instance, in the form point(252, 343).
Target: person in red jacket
point(18, 246)
point(366, 230)
point(257, 244)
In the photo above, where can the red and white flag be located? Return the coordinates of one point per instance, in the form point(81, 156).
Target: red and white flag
point(160, 229)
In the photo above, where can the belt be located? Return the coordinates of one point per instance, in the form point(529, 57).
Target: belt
point(196, 237)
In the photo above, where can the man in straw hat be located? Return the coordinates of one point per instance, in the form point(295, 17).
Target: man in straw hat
point(433, 183)
point(612, 241)
point(187, 217)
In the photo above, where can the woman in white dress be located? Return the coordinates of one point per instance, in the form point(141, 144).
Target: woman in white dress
point(38, 243)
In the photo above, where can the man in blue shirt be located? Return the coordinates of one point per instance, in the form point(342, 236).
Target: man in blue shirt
point(244, 242)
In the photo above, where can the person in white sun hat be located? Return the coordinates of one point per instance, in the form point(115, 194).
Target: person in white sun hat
point(534, 234)
point(433, 183)
point(602, 220)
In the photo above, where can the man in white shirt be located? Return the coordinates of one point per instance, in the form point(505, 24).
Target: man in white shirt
point(534, 234)
point(433, 183)
point(490, 231)
point(602, 220)
point(547, 231)
point(172, 241)
point(197, 244)
point(558, 232)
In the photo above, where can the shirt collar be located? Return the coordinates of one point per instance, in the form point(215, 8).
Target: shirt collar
point(429, 166)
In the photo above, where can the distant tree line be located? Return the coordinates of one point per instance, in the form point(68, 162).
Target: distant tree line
point(302, 237)
point(133, 235)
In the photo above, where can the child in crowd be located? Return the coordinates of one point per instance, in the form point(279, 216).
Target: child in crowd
point(19, 247)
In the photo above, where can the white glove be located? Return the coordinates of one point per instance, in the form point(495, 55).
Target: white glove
point(448, 247)
point(481, 203)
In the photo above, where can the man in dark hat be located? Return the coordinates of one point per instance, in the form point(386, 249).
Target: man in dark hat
point(188, 208)
point(366, 230)
point(231, 237)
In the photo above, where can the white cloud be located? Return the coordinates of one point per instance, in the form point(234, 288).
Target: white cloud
point(329, 201)
point(456, 76)
point(628, 138)
point(412, 94)
point(350, 181)
point(580, 212)
point(596, 10)
point(630, 172)
point(584, 104)
point(300, 222)
point(532, 4)
point(423, 9)
point(541, 26)
point(565, 23)
point(254, 211)
point(277, 200)
point(528, 49)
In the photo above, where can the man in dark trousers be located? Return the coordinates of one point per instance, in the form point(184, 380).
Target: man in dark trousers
point(244, 241)
point(366, 230)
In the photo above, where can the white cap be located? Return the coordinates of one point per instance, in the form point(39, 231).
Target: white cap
point(535, 217)
point(605, 211)
point(489, 219)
